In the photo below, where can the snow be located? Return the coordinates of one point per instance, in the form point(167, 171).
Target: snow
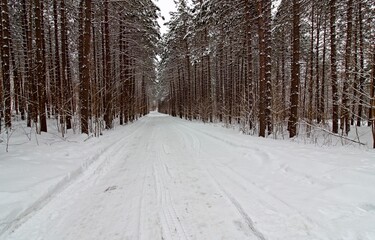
point(166, 178)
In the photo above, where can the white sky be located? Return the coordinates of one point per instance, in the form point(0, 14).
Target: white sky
point(165, 6)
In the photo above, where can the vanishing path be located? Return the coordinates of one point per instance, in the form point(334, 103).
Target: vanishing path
point(171, 179)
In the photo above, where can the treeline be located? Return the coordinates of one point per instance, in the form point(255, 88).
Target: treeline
point(270, 70)
point(85, 63)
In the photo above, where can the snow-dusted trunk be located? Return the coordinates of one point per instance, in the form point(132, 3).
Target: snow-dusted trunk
point(65, 79)
point(107, 74)
point(362, 78)
point(372, 95)
point(335, 96)
point(310, 91)
point(1, 67)
point(57, 66)
point(85, 66)
point(5, 61)
point(249, 67)
point(344, 123)
point(262, 68)
point(16, 78)
point(123, 69)
point(24, 87)
point(323, 82)
point(40, 65)
point(268, 37)
point(317, 63)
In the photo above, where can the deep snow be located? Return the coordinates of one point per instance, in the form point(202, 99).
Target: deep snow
point(166, 178)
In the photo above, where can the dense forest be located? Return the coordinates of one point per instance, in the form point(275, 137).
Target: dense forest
point(85, 63)
point(285, 69)
point(303, 65)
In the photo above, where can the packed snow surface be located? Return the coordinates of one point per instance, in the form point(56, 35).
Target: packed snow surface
point(166, 178)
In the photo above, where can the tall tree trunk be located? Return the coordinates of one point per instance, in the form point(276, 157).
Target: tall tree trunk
point(107, 77)
point(372, 96)
point(1, 66)
point(323, 82)
point(64, 68)
point(40, 65)
point(345, 123)
point(85, 71)
point(26, 79)
point(362, 78)
point(295, 82)
point(5, 60)
point(249, 68)
point(57, 60)
point(262, 67)
point(32, 83)
point(16, 78)
point(311, 73)
point(268, 38)
point(335, 96)
point(318, 84)
point(356, 75)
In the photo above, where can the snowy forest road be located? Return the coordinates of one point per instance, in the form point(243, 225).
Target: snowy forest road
point(172, 179)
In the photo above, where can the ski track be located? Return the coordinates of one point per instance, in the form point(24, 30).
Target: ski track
point(168, 179)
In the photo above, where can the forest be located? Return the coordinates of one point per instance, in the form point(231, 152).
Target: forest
point(287, 69)
point(187, 119)
point(84, 63)
point(302, 66)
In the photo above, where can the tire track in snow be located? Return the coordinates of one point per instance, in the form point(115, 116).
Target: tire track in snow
point(171, 223)
point(197, 146)
point(237, 205)
point(94, 164)
point(266, 200)
point(196, 143)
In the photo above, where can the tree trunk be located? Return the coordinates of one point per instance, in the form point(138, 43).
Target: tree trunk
point(5, 51)
point(108, 79)
point(295, 82)
point(85, 71)
point(345, 123)
point(249, 67)
point(262, 68)
point(57, 60)
point(335, 96)
point(323, 82)
point(40, 65)
point(268, 38)
point(372, 96)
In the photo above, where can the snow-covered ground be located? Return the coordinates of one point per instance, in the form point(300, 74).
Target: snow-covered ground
point(166, 178)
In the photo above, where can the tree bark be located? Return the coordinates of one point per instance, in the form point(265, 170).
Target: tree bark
point(5, 57)
point(40, 65)
point(107, 77)
point(295, 82)
point(335, 96)
point(262, 68)
point(85, 71)
point(345, 120)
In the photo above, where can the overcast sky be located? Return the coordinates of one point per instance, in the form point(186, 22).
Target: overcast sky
point(165, 6)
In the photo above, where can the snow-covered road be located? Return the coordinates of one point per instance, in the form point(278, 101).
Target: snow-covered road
point(171, 179)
